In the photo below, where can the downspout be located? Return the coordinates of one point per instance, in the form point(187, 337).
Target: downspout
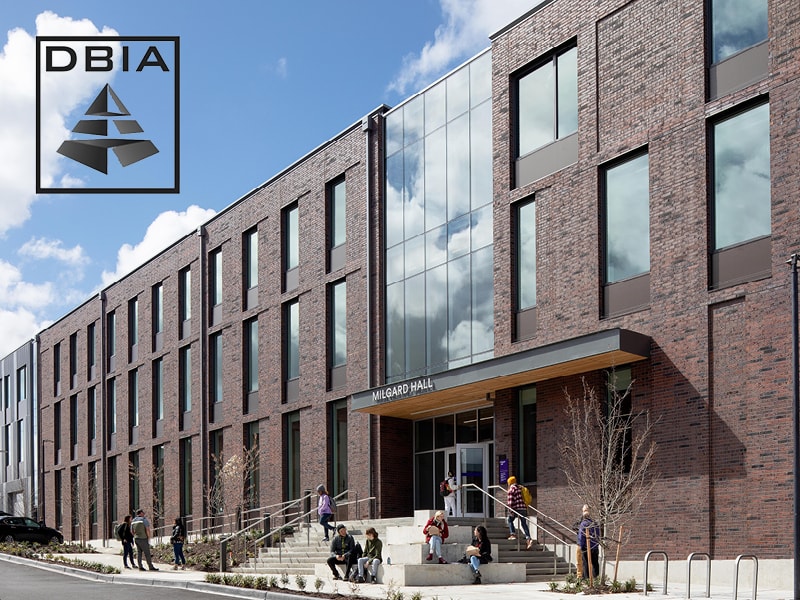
point(105, 436)
point(36, 444)
point(204, 422)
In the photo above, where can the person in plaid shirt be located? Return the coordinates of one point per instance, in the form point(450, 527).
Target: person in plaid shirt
point(516, 502)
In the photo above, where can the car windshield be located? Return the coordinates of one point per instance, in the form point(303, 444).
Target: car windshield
point(31, 523)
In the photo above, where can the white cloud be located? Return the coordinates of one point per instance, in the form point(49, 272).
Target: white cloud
point(466, 29)
point(17, 113)
point(14, 292)
point(167, 228)
point(282, 68)
point(42, 248)
point(18, 326)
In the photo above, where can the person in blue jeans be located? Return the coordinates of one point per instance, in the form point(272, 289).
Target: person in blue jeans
point(176, 539)
point(481, 541)
point(325, 511)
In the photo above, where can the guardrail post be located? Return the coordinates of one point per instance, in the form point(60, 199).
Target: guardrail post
point(223, 556)
point(689, 573)
point(736, 574)
point(647, 564)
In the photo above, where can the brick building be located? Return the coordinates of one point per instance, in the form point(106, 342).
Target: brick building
point(611, 185)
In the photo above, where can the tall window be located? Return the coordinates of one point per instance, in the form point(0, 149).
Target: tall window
point(251, 441)
point(186, 476)
point(293, 340)
point(133, 398)
point(338, 330)
point(547, 102)
point(618, 396)
point(158, 389)
point(134, 469)
point(216, 368)
point(133, 323)
point(215, 278)
point(93, 492)
point(56, 435)
point(57, 369)
point(111, 336)
point(185, 378)
point(736, 25)
point(526, 434)
point(291, 237)
point(526, 255)
point(57, 482)
point(7, 442)
point(22, 384)
point(627, 219)
point(112, 406)
point(338, 433)
point(185, 294)
point(73, 425)
point(7, 391)
point(112, 488)
point(337, 198)
point(741, 202)
point(73, 359)
point(158, 482)
point(251, 259)
point(158, 308)
point(439, 223)
point(91, 350)
point(293, 459)
point(91, 416)
point(251, 355)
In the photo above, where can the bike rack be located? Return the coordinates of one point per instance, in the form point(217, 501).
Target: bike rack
point(689, 560)
point(666, 568)
point(736, 573)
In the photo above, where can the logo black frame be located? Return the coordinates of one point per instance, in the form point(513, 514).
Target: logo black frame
point(175, 40)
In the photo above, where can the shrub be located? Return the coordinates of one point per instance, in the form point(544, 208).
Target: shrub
point(318, 583)
point(300, 581)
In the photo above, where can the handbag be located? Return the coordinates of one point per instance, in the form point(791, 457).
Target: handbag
point(434, 530)
point(473, 551)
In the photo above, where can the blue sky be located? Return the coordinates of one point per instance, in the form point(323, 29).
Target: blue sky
point(262, 83)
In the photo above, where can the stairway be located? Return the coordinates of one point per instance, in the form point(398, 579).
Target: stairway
point(304, 553)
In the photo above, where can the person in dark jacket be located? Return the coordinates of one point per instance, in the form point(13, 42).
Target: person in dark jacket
point(481, 541)
point(176, 539)
point(589, 530)
point(343, 552)
point(126, 536)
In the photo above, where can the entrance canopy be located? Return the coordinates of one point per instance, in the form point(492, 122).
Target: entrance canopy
point(471, 386)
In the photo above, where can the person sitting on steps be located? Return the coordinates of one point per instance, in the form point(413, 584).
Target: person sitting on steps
point(436, 532)
point(343, 552)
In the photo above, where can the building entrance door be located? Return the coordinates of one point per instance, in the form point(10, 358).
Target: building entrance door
point(472, 466)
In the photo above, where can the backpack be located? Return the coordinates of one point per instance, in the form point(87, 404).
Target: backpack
point(444, 488)
point(139, 529)
point(332, 503)
point(526, 495)
point(118, 532)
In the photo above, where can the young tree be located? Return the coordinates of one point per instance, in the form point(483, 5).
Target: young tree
point(607, 451)
point(232, 485)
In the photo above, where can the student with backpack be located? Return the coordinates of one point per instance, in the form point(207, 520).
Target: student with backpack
point(125, 536)
point(516, 501)
point(141, 536)
point(325, 507)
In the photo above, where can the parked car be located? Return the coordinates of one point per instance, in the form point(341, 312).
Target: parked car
point(22, 529)
point(4, 514)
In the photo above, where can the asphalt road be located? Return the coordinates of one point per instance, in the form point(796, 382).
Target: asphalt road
point(21, 582)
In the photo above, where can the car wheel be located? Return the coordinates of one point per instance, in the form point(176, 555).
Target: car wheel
point(9, 538)
point(55, 540)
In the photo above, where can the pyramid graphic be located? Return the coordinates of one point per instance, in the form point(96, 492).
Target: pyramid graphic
point(94, 153)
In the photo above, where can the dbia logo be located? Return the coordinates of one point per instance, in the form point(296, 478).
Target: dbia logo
point(145, 71)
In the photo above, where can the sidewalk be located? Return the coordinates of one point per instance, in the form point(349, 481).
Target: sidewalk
point(195, 580)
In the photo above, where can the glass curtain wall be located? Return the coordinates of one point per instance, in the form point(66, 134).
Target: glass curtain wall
point(438, 221)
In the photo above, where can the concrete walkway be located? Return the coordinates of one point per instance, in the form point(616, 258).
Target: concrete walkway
point(195, 580)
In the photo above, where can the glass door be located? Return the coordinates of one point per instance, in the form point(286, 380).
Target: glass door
point(472, 466)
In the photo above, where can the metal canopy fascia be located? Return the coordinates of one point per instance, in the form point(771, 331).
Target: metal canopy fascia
point(470, 386)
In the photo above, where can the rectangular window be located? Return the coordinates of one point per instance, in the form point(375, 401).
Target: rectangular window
point(7, 391)
point(186, 476)
point(526, 435)
point(252, 487)
point(133, 327)
point(21, 454)
point(56, 434)
point(111, 333)
point(185, 378)
point(7, 444)
point(547, 102)
point(93, 486)
point(526, 255)
point(57, 482)
point(216, 368)
point(736, 25)
point(134, 471)
point(158, 389)
point(158, 308)
point(112, 406)
point(133, 398)
point(158, 483)
point(251, 352)
point(337, 198)
point(293, 459)
point(73, 425)
point(91, 416)
point(291, 238)
point(215, 277)
point(293, 340)
point(91, 354)
point(73, 360)
point(338, 435)
point(626, 189)
point(112, 488)
point(338, 327)
point(741, 203)
point(22, 384)
point(57, 369)
point(618, 410)
point(185, 294)
point(251, 259)
point(216, 499)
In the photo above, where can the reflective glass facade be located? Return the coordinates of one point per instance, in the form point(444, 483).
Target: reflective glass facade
point(438, 222)
point(736, 25)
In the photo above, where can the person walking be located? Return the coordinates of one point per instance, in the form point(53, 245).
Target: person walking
point(176, 539)
point(450, 499)
point(589, 530)
point(519, 511)
point(141, 536)
point(325, 511)
point(126, 537)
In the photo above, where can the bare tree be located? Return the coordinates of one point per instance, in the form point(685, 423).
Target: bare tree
point(607, 451)
point(233, 485)
point(158, 495)
point(82, 502)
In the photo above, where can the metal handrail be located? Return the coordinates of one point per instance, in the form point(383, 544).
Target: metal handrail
point(566, 546)
point(666, 568)
point(739, 558)
point(689, 560)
